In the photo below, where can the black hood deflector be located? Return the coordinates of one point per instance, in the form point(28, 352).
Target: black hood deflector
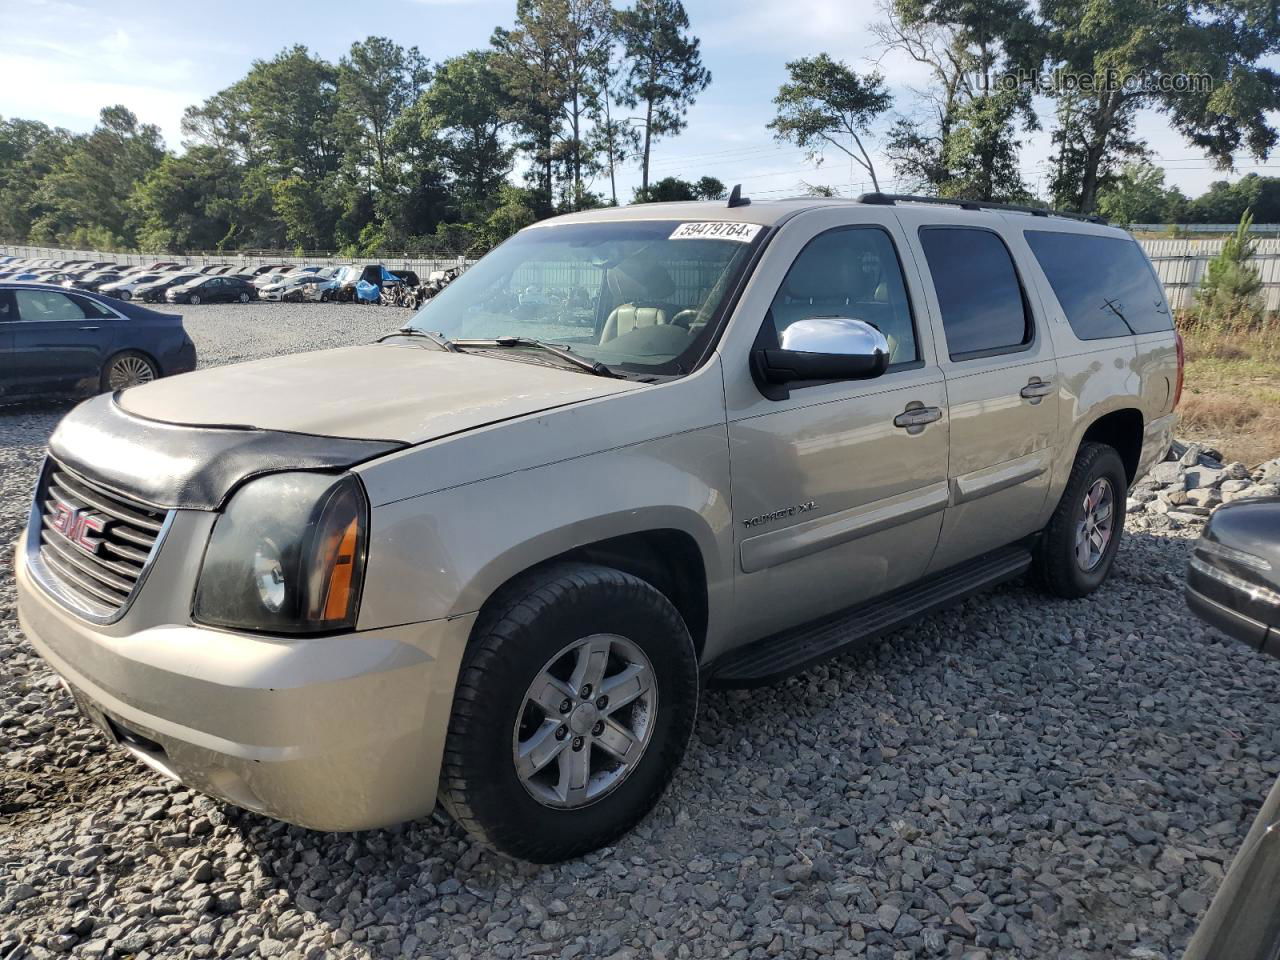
point(190, 467)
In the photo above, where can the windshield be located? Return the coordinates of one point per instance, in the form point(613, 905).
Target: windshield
point(638, 295)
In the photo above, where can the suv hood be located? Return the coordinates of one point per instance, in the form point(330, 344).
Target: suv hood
point(389, 391)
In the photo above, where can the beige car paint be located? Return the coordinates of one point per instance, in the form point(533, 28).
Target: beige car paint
point(403, 391)
point(514, 463)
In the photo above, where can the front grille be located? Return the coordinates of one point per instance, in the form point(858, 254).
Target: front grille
point(94, 544)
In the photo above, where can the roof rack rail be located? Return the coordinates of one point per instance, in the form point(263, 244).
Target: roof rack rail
point(888, 199)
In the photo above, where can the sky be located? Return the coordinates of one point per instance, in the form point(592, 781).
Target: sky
point(62, 61)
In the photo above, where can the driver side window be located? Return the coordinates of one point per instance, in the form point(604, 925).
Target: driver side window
point(850, 272)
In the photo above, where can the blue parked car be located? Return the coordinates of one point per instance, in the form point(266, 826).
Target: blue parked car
point(59, 341)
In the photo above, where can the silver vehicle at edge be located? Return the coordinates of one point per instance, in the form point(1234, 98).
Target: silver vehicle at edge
point(493, 558)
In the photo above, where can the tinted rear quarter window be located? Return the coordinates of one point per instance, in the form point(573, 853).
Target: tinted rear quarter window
point(979, 294)
point(1105, 285)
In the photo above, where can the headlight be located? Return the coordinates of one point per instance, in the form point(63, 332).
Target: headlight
point(286, 556)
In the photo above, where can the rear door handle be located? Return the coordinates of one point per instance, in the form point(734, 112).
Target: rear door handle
point(916, 417)
point(88, 328)
point(1036, 389)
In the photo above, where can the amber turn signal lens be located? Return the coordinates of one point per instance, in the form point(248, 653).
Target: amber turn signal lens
point(337, 603)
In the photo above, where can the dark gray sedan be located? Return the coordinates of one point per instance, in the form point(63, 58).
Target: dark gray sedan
point(1234, 583)
point(59, 341)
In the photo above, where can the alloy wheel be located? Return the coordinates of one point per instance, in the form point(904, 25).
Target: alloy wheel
point(1097, 522)
point(130, 371)
point(585, 721)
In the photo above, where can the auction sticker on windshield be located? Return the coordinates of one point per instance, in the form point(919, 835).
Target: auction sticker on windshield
point(716, 230)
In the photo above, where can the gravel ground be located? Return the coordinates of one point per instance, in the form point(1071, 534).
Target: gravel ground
point(1017, 777)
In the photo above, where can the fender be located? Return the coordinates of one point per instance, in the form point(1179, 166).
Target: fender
point(442, 555)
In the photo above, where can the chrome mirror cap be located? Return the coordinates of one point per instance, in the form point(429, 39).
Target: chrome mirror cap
point(841, 336)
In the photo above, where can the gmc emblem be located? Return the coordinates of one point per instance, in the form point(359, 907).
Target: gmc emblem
point(76, 525)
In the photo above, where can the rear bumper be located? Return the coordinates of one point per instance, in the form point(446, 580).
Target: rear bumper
point(1157, 438)
point(333, 733)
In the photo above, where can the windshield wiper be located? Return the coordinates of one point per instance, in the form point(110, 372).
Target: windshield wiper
point(439, 339)
point(564, 353)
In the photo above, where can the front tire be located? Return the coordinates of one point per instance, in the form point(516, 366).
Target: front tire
point(545, 783)
point(1078, 547)
point(194, 300)
point(244, 296)
point(126, 295)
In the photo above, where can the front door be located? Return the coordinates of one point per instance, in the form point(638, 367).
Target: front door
point(60, 341)
point(8, 362)
point(837, 496)
point(1002, 388)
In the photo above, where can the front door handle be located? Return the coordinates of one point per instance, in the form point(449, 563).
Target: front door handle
point(88, 328)
point(1036, 389)
point(916, 417)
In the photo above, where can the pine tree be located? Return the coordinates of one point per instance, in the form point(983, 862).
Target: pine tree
point(1231, 292)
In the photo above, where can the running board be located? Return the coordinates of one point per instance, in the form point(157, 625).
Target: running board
point(799, 648)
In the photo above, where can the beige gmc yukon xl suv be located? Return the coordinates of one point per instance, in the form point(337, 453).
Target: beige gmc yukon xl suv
point(492, 559)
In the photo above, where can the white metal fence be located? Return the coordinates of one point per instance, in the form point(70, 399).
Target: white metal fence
point(422, 266)
point(1180, 263)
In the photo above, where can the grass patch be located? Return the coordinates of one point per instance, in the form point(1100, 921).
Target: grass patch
point(1231, 398)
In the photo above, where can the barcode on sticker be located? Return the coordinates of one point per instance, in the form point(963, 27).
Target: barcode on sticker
point(716, 230)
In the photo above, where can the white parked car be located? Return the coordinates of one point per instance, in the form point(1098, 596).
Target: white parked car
point(127, 286)
point(297, 287)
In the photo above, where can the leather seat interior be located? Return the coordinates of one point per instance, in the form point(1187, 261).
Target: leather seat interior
point(642, 291)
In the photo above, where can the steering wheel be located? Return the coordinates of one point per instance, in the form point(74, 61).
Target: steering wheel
point(685, 318)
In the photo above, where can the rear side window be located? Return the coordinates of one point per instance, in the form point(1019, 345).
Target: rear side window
point(979, 294)
point(1105, 285)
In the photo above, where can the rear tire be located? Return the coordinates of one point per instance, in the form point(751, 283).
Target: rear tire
point(126, 369)
point(1078, 547)
point(624, 639)
point(126, 295)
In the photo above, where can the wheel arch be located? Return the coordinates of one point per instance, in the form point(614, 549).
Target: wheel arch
point(1122, 430)
point(666, 558)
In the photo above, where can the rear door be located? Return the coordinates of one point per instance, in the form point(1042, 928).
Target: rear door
point(60, 341)
point(1001, 376)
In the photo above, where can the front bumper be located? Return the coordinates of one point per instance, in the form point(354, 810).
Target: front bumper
point(333, 733)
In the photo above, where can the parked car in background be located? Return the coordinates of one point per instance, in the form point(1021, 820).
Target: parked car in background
point(214, 289)
point(295, 288)
point(95, 280)
point(1233, 583)
point(265, 268)
point(155, 290)
point(59, 341)
point(127, 286)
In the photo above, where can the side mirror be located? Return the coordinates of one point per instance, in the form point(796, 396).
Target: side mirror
point(825, 348)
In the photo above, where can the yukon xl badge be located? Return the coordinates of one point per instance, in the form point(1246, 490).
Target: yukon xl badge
point(764, 518)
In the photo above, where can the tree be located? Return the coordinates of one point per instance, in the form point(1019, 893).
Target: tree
point(91, 188)
point(827, 103)
point(1097, 44)
point(29, 152)
point(675, 189)
point(665, 71)
point(1231, 292)
point(526, 61)
point(1138, 195)
point(377, 81)
point(465, 111)
point(191, 202)
point(965, 144)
